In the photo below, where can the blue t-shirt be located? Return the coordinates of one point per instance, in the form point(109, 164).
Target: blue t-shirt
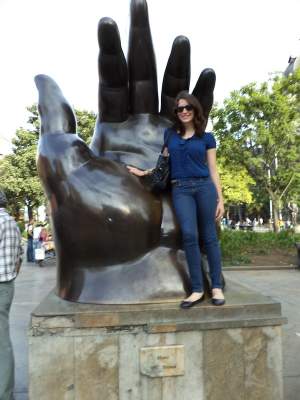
point(188, 156)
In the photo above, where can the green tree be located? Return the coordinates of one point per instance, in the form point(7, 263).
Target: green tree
point(258, 129)
point(85, 124)
point(18, 172)
point(236, 184)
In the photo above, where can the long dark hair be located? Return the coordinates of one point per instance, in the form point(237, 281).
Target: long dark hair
point(199, 119)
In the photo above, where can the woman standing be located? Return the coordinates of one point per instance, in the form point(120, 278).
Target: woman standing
point(196, 193)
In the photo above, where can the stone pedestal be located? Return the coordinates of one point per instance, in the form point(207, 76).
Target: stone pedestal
point(157, 351)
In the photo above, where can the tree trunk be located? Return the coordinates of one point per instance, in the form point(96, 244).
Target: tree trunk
point(276, 210)
point(30, 212)
point(240, 213)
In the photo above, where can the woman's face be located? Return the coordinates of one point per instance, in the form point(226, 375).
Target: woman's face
point(185, 111)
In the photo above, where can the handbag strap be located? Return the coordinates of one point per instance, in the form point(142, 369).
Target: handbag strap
point(166, 141)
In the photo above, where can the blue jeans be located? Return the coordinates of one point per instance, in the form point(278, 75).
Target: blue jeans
point(195, 202)
point(6, 350)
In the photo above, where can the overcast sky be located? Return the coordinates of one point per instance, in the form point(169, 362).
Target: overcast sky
point(243, 41)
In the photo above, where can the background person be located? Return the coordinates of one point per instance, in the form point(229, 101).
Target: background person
point(10, 261)
point(41, 250)
point(30, 252)
point(196, 193)
point(43, 237)
point(36, 238)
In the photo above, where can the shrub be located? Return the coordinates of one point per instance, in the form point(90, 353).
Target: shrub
point(237, 246)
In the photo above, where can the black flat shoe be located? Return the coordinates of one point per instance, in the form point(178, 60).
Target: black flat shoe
point(218, 302)
point(188, 304)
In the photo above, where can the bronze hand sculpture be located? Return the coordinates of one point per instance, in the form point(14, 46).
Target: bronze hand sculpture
point(116, 242)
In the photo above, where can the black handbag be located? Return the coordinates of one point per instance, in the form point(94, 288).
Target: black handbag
point(159, 178)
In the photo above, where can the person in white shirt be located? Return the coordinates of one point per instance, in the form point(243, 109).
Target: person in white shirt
point(36, 239)
point(10, 261)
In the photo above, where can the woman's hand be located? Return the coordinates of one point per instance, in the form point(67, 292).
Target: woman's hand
point(165, 152)
point(219, 210)
point(136, 171)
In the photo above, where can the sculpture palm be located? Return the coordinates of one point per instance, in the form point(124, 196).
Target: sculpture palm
point(115, 241)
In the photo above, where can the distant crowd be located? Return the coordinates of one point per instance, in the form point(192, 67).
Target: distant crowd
point(248, 224)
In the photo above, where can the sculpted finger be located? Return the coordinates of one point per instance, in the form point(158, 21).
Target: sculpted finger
point(56, 114)
point(60, 150)
point(141, 62)
point(113, 74)
point(204, 89)
point(177, 75)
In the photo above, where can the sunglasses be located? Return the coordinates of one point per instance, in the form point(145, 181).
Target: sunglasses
point(180, 109)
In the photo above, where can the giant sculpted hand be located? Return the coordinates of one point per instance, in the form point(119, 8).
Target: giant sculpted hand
point(115, 241)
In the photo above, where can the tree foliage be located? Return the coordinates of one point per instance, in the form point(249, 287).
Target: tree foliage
point(258, 129)
point(18, 172)
point(236, 184)
point(85, 124)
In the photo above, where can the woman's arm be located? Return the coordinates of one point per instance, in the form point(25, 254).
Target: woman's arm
point(213, 171)
point(138, 172)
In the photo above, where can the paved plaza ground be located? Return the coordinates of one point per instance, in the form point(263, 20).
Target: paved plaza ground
point(34, 283)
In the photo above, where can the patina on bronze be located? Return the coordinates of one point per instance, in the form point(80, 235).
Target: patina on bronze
point(115, 241)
